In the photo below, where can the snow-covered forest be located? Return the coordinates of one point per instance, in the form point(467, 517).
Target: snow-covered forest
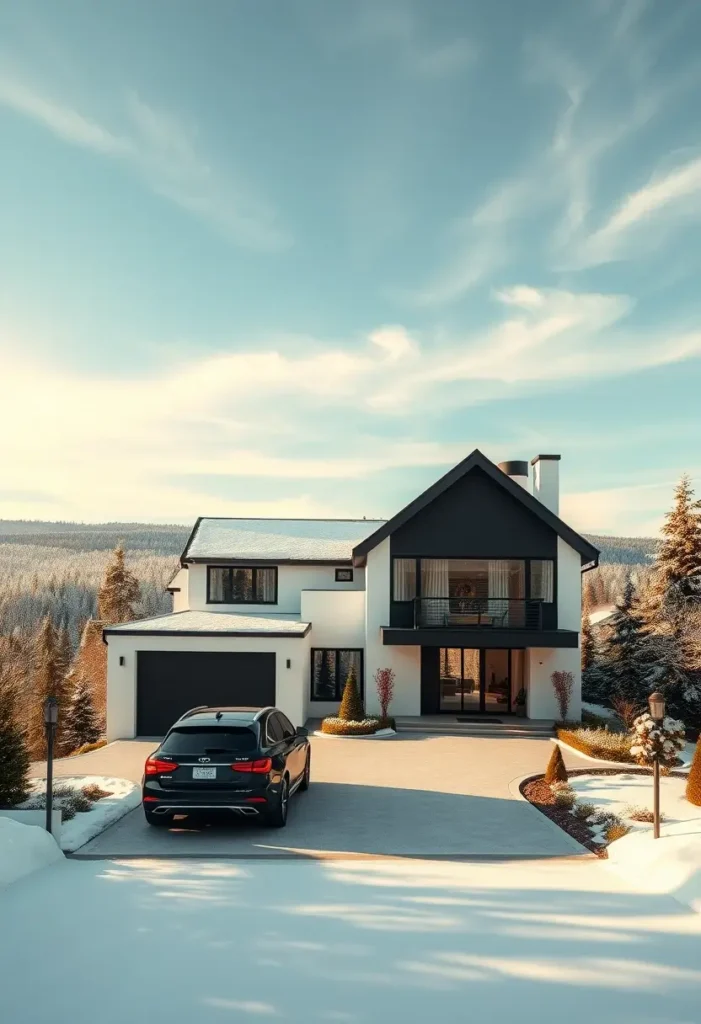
point(57, 568)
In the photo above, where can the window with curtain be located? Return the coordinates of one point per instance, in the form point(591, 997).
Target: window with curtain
point(229, 584)
point(404, 579)
point(330, 669)
point(542, 579)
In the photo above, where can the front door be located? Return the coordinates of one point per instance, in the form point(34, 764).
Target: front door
point(473, 681)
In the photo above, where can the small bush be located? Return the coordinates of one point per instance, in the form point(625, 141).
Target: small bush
point(616, 831)
point(605, 818)
point(351, 709)
point(78, 801)
point(560, 787)
point(639, 814)
point(650, 739)
point(565, 798)
point(94, 792)
point(583, 812)
point(340, 727)
point(556, 770)
point(87, 747)
point(387, 723)
point(609, 746)
point(67, 813)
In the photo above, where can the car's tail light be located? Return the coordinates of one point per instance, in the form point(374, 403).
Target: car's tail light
point(260, 767)
point(154, 766)
point(255, 800)
point(150, 799)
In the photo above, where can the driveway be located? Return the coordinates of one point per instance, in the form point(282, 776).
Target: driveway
point(415, 795)
point(344, 942)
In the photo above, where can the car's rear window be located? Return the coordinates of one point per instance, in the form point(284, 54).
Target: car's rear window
point(203, 740)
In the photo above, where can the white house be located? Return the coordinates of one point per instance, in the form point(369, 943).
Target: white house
point(472, 594)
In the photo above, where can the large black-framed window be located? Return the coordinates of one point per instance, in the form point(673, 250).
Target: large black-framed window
point(234, 584)
point(330, 668)
point(449, 577)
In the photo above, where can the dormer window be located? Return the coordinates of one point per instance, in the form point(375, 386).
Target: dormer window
point(233, 584)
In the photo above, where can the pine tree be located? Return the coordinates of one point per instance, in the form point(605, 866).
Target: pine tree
point(14, 757)
point(677, 574)
point(48, 680)
point(556, 770)
point(625, 649)
point(587, 638)
point(119, 592)
point(351, 709)
point(63, 651)
point(81, 724)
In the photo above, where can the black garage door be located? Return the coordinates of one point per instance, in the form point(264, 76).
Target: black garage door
point(170, 683)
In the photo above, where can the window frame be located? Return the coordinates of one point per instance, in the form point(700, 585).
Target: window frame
point(417, 579)
point(255, 569)
point(339, 685)
point(348, 577)
point(527, 560)
point(529, 580)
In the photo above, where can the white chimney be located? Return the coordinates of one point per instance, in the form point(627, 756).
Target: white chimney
point(517, 470)
point(546, 481)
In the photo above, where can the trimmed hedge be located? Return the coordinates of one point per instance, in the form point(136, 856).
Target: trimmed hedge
point(340, 727)
point(608, 746)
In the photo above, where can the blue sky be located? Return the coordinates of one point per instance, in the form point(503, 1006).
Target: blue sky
point(298, 258)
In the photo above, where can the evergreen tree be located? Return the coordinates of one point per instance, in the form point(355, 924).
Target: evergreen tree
point(81, 724)
point(625, 649)
point(119, 592)
point(63, 650)
point(556, 770)
point(587, 638)
point(48, 681)
point(677, 575)
point(351, 709)
point(14, 757)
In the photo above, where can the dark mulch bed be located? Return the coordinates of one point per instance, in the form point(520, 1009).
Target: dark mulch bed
point(538, 793)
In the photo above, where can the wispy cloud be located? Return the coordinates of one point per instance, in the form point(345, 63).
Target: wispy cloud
point(158, 147)
point(240, 413)
point(676, 193)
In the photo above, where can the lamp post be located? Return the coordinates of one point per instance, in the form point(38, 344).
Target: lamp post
point(657, 709)
point(50, 723)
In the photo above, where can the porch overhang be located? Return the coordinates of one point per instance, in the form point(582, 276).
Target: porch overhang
point(479, 638)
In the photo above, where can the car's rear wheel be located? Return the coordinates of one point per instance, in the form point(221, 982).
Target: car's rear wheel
point(158, 820)
point(277, 815)
point(306, 778)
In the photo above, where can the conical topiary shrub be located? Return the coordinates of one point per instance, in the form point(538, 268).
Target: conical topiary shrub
point(693, 782)
point(556, 770)
point(351, 709)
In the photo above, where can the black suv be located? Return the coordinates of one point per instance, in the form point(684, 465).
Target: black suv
point(246, 761)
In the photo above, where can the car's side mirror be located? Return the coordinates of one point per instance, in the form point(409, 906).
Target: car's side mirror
point(301, 731)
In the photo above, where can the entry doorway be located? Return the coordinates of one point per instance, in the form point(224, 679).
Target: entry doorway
point(473, 681)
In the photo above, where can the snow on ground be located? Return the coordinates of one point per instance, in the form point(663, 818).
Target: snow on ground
point(600, 710)
point(124, 797)
point(23, 849)
point(670, 864)
point(345, 942)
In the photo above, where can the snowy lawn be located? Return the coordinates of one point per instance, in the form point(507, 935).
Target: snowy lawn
point(23, 849)
point(123, 797)
point(669, 864)
point(373, 941)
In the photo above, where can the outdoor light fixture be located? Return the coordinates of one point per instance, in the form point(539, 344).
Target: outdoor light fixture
point(657, 706)
point(50, 723)
point(657, 709)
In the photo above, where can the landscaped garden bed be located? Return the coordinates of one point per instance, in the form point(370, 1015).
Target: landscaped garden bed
point(89, 803)
point(539, 793)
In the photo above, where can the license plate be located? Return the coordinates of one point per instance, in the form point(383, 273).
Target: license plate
point(204, 773)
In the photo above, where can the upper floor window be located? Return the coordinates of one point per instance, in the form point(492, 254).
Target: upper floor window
point(404, 579)
point(542, 579)
point(231, 584)
point(344, 576)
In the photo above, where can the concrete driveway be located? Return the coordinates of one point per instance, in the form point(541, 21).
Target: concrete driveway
point(414, 795)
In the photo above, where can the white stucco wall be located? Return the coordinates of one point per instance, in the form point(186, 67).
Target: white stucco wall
point(539, 666)
point(291, 580)
point(406, 661)
point(569, 587)
point(338, 620)
point(292, 685)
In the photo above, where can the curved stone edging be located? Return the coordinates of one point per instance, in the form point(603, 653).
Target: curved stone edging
point(516, 791)
point(381, 734)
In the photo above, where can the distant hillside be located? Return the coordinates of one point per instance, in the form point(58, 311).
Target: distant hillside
point(625, 550)
point(159, 539)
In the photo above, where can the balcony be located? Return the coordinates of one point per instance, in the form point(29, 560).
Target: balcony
point(478, 613)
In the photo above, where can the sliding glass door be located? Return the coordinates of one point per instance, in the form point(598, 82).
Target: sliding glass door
point(473, 681)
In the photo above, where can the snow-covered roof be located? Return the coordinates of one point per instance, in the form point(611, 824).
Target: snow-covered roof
point(302, 540)
point(193, 622)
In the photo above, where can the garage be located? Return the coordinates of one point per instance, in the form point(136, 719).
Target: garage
point(171, 682)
